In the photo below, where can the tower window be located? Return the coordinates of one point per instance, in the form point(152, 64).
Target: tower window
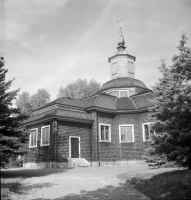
point(124, 94)
point(115, 93)
point(114, 70)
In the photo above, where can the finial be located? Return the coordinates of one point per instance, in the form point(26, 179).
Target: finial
point(118, 22)
point(121, 40)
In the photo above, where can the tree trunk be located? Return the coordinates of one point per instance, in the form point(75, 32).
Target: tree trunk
point(189, 166)
point(189, 163)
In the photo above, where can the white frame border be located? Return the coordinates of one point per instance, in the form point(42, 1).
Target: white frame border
point(36, 138)
point(132, 125)
point(42, 145)
point(109, 133)
point(70, 151)
point(143, 130)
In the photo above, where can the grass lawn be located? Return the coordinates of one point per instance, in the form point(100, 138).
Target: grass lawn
point(12, 180)
point(159, 184)
point(162, 183)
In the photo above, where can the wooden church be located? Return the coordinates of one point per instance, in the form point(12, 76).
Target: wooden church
point(111, 127)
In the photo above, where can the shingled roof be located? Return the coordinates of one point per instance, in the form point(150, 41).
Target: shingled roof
point(123, 82)
point(79, 110)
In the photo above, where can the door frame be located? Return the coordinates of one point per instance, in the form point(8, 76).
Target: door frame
point(70, 150)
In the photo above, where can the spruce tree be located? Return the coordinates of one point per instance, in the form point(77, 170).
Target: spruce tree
point(12, 134)
point(171, 112)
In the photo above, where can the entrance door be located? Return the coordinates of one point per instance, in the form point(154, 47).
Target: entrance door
point(75, 153)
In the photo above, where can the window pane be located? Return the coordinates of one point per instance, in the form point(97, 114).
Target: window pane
point(106, 132)
point(131, 92)
point(146, 130)
point(123, 134)
point(123, 94)
point(129, 133)
point(102, 132)
point(33, 137)
point(115, 93)
point(45, 135)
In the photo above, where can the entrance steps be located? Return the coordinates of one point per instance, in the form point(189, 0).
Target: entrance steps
point(78, 162)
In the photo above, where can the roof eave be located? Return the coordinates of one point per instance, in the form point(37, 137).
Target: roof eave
point(128, 55)
point(62, 118)
point(126, 87)
point(127, 111)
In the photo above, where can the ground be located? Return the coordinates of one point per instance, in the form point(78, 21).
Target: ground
point(77, 183)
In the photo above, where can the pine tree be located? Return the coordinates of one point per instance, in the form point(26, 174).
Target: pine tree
point(171, 112)
point(12, 135)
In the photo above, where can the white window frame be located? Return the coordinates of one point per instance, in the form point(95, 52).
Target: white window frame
point(124, 91)
point(109, 140)
point(42, 145)
point(34, 146)
point(133, 133)
point(143, 129)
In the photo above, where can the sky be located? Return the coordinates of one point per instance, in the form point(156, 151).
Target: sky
point(51, 43)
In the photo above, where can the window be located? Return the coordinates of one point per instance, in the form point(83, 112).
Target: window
point(131, 68)
point(115, 93)
point(105, 133)
point(33, 138)
point(126, 133)
point(124, 93)
point(146, 131)
point(114, 70)
point(45, 135)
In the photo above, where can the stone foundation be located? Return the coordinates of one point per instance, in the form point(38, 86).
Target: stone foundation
point(43, 165)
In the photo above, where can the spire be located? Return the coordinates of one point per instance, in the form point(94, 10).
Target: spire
point(121, 41)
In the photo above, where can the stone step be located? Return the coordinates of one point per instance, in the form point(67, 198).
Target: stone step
point(78, 162)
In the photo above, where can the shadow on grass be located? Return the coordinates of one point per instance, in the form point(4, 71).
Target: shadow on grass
point(107, 193)
point(19, 188)
point(11, 180)
point(28, 173)
point(175, 185)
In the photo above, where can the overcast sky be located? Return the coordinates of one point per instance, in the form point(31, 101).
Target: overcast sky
point(49, 43)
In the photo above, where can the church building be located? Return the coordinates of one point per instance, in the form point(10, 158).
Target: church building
point(111, 127)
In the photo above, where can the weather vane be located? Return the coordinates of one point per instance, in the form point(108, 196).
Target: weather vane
point(118, 22)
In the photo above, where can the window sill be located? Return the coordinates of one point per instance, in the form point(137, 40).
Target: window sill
point(44, 145)
point(127, 142)
point(146, 140)
point(104, 141)
point(30, 147)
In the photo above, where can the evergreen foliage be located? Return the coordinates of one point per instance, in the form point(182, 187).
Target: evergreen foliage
point(12, 134)
point(171, 112)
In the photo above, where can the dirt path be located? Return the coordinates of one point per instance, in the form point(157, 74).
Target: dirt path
point(80, 183)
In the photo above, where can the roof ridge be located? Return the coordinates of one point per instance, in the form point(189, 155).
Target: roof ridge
point(133, 102)
point(96, 100)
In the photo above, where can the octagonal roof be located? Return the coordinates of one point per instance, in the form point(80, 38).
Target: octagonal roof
point(123, 82)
